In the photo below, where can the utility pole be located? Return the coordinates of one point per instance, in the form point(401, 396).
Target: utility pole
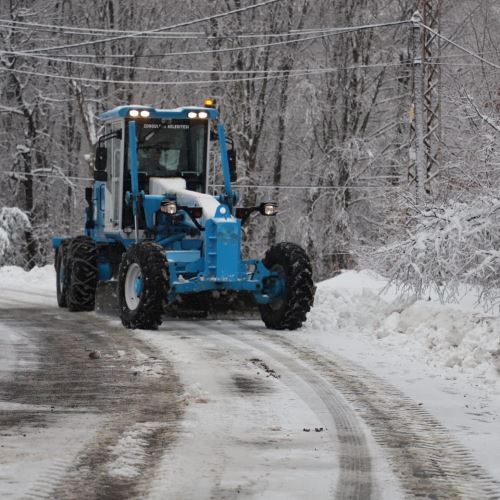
point(431, 55)
point(418, 91)
point(425, 141)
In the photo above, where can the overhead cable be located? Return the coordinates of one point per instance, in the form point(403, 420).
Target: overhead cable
point(458, 46)
point(324, 34)
point(6, 23)
point(168, 70)
point(158, 30)
point(270, 186)
point(201, 52)
point(13, 173)
point(189, 35)
point(200, 82)
point(265, 186)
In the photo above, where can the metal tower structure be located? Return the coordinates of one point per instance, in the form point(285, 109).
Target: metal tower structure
point(426, 123)
point(431, 48)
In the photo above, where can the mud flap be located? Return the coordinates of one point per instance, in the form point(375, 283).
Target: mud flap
point(106, 298)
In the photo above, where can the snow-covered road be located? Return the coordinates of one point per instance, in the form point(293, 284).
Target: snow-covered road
point(80, 414)
point(225, 409)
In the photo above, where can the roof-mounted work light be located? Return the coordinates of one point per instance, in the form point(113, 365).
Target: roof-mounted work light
point(135, 113)
point(209, 103)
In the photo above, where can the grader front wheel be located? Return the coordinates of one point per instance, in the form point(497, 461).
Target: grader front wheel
point(143, 286)
point(292, 285)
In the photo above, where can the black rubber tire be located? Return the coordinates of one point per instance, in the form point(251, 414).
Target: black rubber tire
point(150, 257)
point(81, 264)
point(60, 265)
point(289, 312)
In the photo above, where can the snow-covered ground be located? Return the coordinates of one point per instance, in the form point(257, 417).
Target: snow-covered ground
point(453, 341)
point(33, 288)
point(446, 357)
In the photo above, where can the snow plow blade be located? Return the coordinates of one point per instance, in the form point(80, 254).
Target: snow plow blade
point(211, 305)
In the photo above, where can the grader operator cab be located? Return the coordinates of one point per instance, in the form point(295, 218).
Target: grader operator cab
point(152, 227)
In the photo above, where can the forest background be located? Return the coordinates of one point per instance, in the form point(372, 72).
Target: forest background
point(319, 97)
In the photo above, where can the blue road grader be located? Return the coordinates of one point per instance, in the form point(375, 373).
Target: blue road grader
point(152, 228)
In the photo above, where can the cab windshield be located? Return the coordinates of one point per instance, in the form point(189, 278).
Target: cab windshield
point(173, 148)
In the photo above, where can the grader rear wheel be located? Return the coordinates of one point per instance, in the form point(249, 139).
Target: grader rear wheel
point(81, 264)
point(62, 274)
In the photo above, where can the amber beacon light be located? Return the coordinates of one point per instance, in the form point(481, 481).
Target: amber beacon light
point(209, 103)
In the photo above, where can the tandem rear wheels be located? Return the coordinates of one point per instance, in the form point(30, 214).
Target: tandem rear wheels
point(292, 284)
point(142, 286)
point(76, 274)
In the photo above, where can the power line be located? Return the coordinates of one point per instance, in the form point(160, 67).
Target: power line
point(451, 42)
point(73, 30)
point(170, 70)
point(159, 36)
point(13, 173)
point(193, 35)
point(324, 34)
point(201, 52)
point(269, 186)
point(157, 30)
point(456, 65)
point(459, 56)
point(200, 82)
point(88, 30)
point(243, 186)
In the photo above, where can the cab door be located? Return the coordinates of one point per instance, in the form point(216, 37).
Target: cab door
point(114, 198)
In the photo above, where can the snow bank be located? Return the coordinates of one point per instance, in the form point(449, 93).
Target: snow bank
point(14, 224)
point(40, 278)
point(454, 338)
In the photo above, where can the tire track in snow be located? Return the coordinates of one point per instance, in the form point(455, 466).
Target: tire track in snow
point(355, 480)
point(196, 466)
point(132, 397)
point(423, 454)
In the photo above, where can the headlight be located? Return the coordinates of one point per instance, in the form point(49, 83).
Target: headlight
point(134, 113)
point(169, 207)
point(268, 208)
point(192, 114)
point(203, 114)
point(145, 113)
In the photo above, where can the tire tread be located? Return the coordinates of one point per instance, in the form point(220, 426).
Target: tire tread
point(151, 258)
point(82, 266)
point(299, 290)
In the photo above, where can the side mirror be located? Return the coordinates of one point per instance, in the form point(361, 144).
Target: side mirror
point(101, 155)
point(231, 158)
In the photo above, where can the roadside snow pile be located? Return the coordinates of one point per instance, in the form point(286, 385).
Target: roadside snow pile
point(14, 225)
point(41, 278)
point(451, 336)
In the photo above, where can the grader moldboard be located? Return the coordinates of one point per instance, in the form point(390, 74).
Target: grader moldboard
point(152, 227)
